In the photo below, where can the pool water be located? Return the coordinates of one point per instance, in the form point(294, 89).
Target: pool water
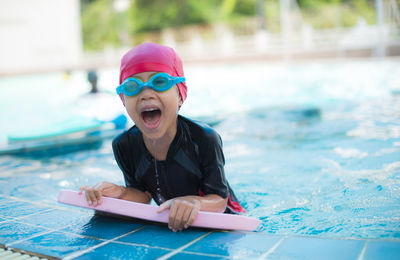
point(312, 148)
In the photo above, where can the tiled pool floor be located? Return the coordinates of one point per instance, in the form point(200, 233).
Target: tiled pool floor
point(60, 231)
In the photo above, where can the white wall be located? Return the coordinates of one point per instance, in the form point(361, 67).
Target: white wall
point(39, 35)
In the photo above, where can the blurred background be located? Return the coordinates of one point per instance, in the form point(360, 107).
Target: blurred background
point(44, 35)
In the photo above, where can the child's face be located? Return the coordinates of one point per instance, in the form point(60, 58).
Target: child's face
point(154, 113)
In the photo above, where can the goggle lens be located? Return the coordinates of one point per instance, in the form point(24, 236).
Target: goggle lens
point(160, 82)
point(131, 86)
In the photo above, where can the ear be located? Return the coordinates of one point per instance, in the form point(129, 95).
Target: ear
point(180, 102)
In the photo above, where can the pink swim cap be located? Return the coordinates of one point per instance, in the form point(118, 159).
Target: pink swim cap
point(152, 57)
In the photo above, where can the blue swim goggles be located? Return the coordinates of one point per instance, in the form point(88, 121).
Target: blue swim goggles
point(158, 82)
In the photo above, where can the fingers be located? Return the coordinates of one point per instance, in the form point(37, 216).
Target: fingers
point(185, 218)
point(81, 189)
point(164, 206)
point(94, 194)
point(192, 216)
point(175, 216)
point(182, 213)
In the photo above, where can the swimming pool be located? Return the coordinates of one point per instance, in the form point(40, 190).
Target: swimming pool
point(312, 148)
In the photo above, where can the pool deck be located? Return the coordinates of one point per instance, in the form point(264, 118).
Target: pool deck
point(57, 231)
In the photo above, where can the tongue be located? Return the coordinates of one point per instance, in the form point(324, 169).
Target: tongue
point(151, 118)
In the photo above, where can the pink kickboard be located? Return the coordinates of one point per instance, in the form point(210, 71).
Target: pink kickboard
point(149, 212)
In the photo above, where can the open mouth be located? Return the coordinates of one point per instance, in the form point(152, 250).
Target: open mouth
point(151, 117)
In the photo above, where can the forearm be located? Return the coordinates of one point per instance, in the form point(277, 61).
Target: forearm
point(211, 203)
point(135, 195)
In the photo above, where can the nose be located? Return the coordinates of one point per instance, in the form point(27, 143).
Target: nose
point(147, 93)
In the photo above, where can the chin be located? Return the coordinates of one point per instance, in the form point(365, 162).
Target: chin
point(153, 135)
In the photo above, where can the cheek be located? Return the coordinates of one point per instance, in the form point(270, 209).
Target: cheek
point(176, 102)
point(130, 107)
point(178, 99)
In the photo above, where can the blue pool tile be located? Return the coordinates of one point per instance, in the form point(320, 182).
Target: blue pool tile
point(123, 251)
point(12, 232)
point(317, 248)
point(193, 256)
point(56, 244)
point(103, 227)
point(161, 236)
point(238, 245)
point(382, 250)
point(15, 209)
point(57, 218)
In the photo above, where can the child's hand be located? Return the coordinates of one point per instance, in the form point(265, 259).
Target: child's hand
point(183, 211)
point(94, 193)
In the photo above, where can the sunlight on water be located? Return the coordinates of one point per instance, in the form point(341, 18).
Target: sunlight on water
point(311, 148)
